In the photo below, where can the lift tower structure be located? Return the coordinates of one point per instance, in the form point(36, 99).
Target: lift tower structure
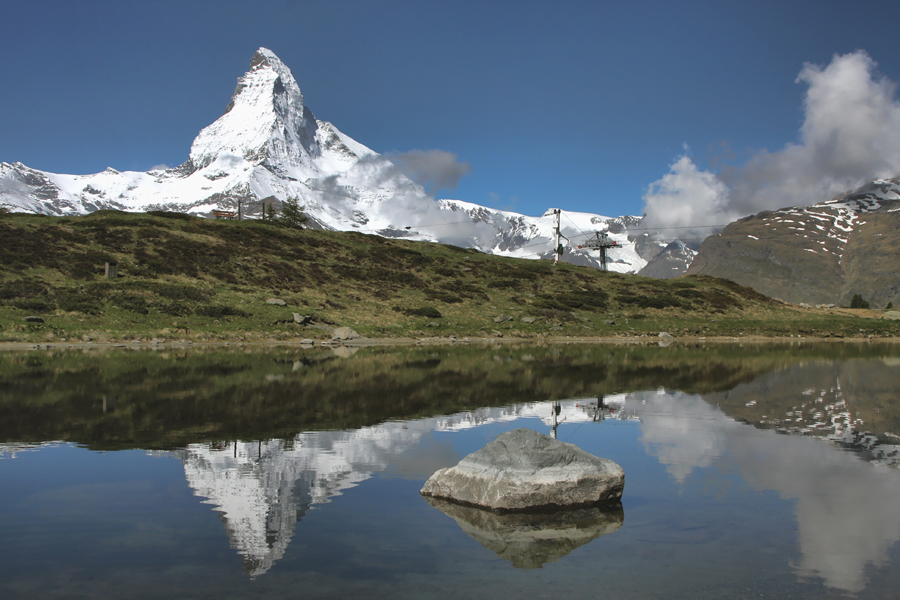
point(602, 243)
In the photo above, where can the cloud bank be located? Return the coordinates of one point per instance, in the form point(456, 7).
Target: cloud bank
point(432, 169)
point(850, 135)
point(412, 179)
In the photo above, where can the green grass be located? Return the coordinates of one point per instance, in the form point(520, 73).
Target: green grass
point(183, 277)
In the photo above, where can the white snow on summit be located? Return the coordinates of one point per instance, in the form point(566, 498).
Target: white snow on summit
point(268, 144)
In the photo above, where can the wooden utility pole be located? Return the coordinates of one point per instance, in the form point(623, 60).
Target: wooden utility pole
point(557, 249)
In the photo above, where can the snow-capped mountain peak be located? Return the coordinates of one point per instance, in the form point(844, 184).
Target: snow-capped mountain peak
point(267, 122)
point(268, 144)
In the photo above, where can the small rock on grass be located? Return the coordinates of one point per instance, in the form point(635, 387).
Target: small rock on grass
point(345, 333)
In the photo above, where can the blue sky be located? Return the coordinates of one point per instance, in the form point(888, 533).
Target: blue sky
point(582, 105)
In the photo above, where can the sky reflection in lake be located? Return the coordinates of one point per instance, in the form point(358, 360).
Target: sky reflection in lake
point(726, 494)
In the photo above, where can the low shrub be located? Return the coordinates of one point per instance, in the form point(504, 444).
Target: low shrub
point(170, 215)
point(33, 305)
point(650, 301)
point(423, 311)
point(595, 300)
point(22, 289)
point(442, 296)
point(503, 284)
point(858, 302)
point(132, 303)
point(75, 302)
point(174, 291)
point(220, 310)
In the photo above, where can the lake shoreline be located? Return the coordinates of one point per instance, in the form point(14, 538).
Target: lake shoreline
point(435, 341)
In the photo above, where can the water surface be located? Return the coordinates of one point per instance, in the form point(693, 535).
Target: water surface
point(762, 471)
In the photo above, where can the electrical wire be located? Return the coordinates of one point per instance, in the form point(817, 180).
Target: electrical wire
point(582, 233)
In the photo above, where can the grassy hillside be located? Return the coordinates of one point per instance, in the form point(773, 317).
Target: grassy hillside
point(183, 277)
point(801, 257)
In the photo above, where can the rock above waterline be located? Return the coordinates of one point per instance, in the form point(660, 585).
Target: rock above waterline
point(525, 470)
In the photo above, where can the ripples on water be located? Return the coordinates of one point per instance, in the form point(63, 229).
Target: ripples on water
point(757, 471)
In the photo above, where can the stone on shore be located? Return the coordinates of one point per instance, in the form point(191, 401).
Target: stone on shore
point(525, 470)
point(345, 333)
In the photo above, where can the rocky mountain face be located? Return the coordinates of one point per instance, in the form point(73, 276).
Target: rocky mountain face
point(269, 146)
point(820, 254)
point(673, 260)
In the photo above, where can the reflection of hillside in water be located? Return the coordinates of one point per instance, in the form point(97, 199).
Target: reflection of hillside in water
point(851, 403)
point(845, 502)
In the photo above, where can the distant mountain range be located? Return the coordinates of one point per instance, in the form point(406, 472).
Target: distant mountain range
point(268, 146)
point(821, 254)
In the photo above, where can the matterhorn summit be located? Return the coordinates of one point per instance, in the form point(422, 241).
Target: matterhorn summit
point(266, 124)
point(269, 147)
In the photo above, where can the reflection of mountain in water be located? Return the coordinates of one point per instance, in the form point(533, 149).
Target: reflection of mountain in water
point(263, 488)
point(529, 540)
point(845, 502)
point(11, 449)
point(853, 404)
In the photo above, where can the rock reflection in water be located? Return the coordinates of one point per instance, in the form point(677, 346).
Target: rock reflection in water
point(529, 540)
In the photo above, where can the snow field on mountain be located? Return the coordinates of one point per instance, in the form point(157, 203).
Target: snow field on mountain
point(269, 144)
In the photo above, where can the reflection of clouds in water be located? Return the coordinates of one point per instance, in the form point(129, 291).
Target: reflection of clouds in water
point(845, 507)
point(683, 432)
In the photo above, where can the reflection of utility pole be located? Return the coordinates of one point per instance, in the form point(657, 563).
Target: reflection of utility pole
point(555, 409)
point(598, 414)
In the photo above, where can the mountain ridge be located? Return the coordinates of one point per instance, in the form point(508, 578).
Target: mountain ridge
point(821, 254)
point(269, 144)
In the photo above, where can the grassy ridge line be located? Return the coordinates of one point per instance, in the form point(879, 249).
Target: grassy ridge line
point(183, 277)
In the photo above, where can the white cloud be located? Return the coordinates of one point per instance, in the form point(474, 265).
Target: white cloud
point(686, 197)
point(850, 135)
point(432, 169)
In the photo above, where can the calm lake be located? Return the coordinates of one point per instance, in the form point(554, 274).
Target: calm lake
point(755, 471)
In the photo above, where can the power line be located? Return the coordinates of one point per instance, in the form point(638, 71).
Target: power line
point(576, 225)
point(684, 227)
point(410, 227)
